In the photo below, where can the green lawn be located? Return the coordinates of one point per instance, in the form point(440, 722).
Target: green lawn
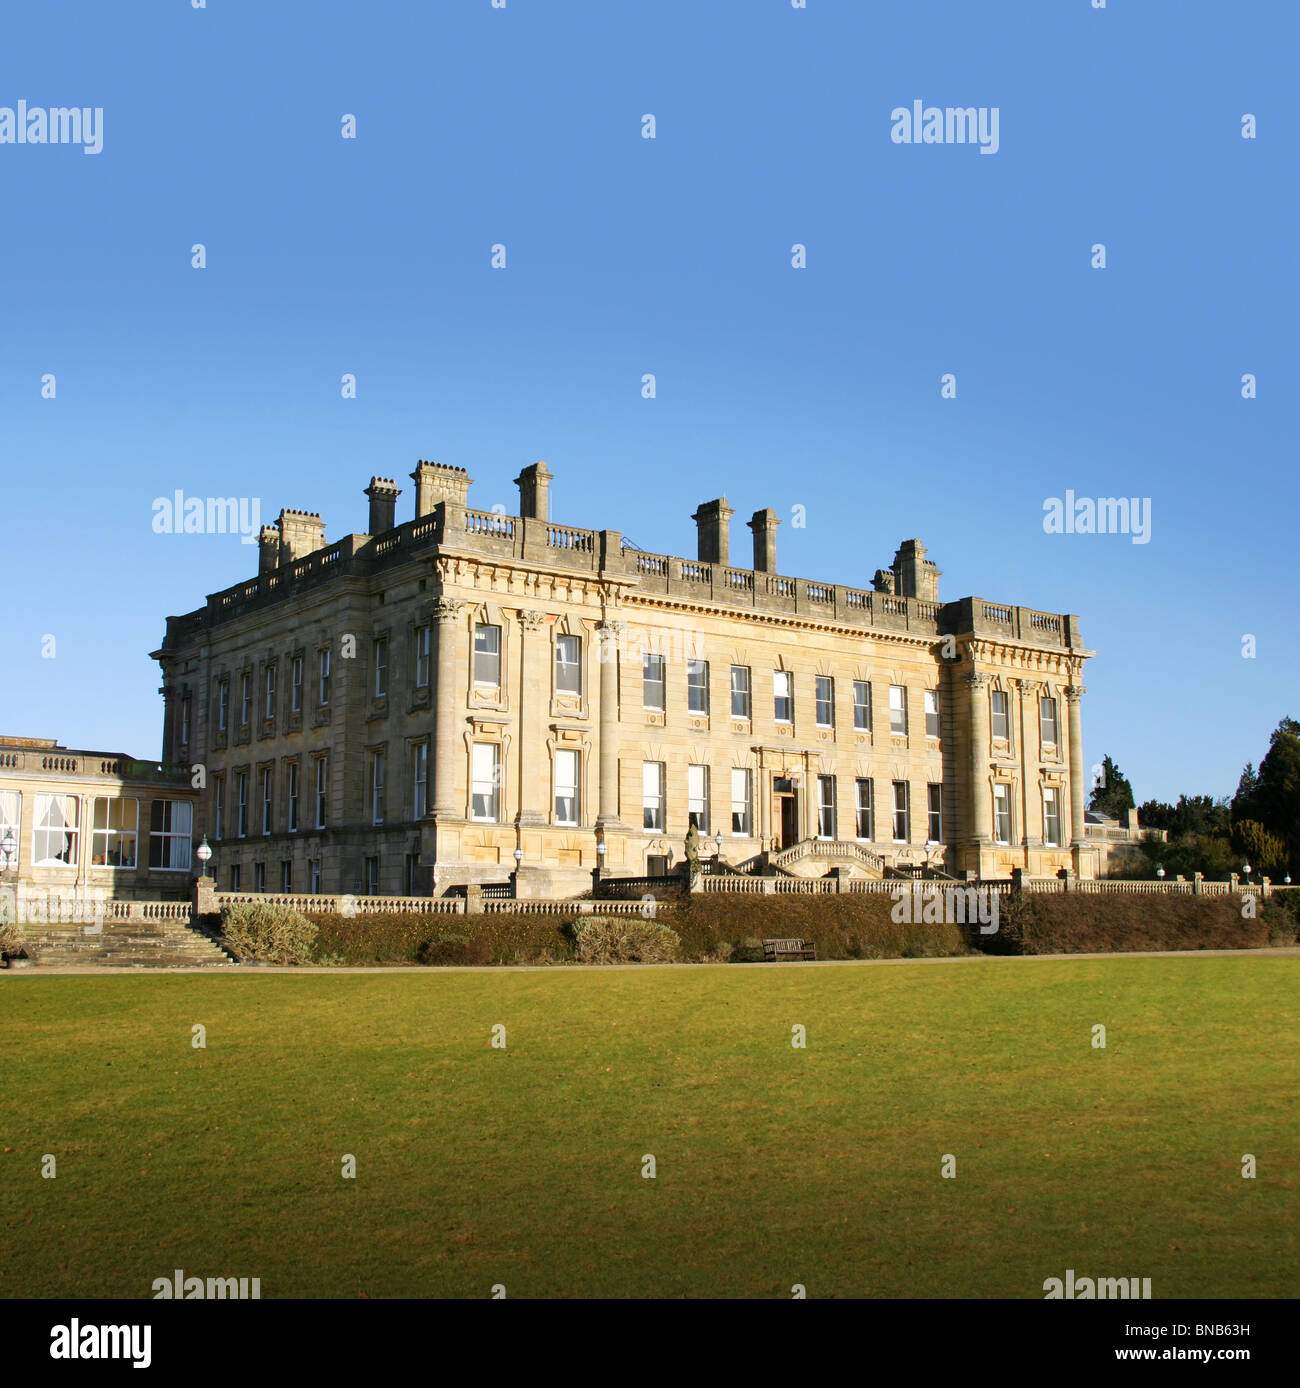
point(775, 1166)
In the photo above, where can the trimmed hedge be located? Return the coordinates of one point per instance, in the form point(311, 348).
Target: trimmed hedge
point(717, 928)
point(267, 932)
point(1082, 924)
point(435, 939)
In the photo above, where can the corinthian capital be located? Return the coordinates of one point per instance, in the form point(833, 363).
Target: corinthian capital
point(1075, 692)
point(447, 609)
point(533, 621)
point(978, 680)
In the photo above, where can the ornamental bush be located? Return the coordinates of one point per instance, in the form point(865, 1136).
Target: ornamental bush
point(266, 932)
point(624, 940)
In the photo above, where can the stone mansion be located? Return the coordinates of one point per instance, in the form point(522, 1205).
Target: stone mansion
point(469, 695)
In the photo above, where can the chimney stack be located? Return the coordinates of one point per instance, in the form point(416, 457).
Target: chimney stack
point(268, 549)
point(383, 493)
point(764, 527)
point(915, 576)
point(435, 482)
point(534, 484)
point(713, 531)
point(301, 533)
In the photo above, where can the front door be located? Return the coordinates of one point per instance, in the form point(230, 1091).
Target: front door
point(785, 811)
point(789, 819)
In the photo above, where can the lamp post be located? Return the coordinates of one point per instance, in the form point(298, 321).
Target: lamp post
point(203, 853)
point(1160, 873)
point(519, 857)
point(1245, 867)
point(7, 849)
point(717, 839)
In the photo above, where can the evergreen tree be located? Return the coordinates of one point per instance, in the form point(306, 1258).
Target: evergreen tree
point(1112, 794)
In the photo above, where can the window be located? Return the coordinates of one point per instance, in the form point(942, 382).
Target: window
point(934, 814)
point(932, 713)
point(866, 810)
point(219, 807)
point(412, 864)
point(740, 795)
point(295, 702)
point(234, 877)
point(259, 877)
point(783, 696)
point(266, 799)
point(270, 692)
point(484, 774)
point(825, 690)
point(245, 698)
point(291, 787)
point(223, 705)
point(322, 789)
point(381, 667)
point(1051, 817)
point(1001, 716)
point(241, 804)
point(898, 710)
point(902, 816)
point(423, 636)
point(1047, 721)
point(825, 807)
point(697, 797)
point(652, 795)
point(652, 682)
point(313, 876)
point(740, 691)
point(323, 690)
point(566, 787)
point(286, 877)
point(185, 721)
point(862, 706)
point(171, 831)
point(419, 779)
point(113, 836)
point(568, 665)
point(1002, 813)
point(487, 655)
point(697, 686)
point(377, 773)
point(372, 876)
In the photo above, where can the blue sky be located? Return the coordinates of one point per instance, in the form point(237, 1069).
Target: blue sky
point(817, 388)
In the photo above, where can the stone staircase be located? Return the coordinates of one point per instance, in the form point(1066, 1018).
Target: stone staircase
point(831, 852)
point(155, 944)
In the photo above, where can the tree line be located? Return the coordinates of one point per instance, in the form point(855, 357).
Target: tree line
point(1259, 825)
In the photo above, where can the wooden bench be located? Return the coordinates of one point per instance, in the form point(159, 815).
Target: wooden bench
point(775, 951)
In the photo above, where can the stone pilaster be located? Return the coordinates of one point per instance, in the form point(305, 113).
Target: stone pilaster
point(981, 828)
point(448, 746)
point(534, 777)
point(1073, 697)
point(610, 650)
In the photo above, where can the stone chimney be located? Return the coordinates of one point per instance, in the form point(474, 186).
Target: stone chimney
point(301, 533)
point(915, 576)
point(435, 482)
point(534, 486)
point(268, 549)
point(713, 531)
point(383, 493)
point(764, 527)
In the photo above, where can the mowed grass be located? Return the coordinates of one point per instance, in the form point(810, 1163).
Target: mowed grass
point(775, 1165)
